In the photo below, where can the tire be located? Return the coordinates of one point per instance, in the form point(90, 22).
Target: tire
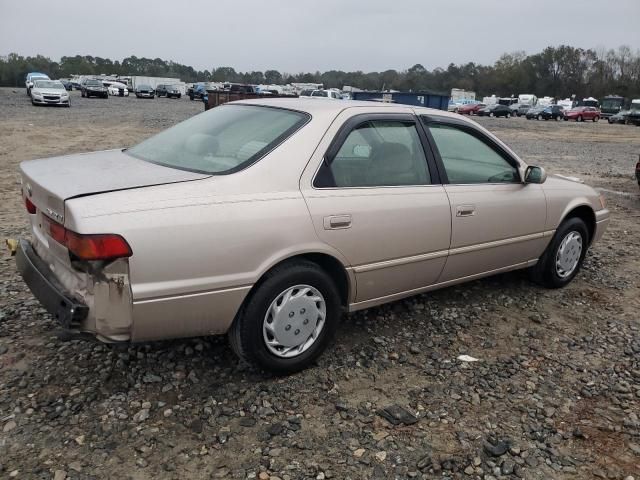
point(595, 119)
point(539, 117)
point(546, 272)
point(247, 334)
point(566, 119)
point(82, 93)
point(491, 114)
point(580, 119)
point(508, 115)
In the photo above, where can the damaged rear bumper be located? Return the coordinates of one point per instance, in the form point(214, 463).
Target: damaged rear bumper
point(98, 303)
point(47, 289)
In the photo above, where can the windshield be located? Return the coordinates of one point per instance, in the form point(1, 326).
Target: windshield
point(48, 84)
point(635, 106)
point(93, 83)
point(223, 140)
point(612, 103)
point(144, 87)
point(319, 93)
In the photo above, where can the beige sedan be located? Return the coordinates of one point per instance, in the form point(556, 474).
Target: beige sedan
point(267, 219)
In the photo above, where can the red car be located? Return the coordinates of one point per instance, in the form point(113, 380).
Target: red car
point(471, 108)
point(580, 114)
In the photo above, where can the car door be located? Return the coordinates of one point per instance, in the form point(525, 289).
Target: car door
point(375, 195)
point(497, 220)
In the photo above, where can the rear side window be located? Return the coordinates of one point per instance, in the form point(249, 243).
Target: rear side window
point(222, 140)
point(467, 159)
point(378, 153)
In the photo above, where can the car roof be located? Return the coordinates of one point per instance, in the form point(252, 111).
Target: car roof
point(323, 106)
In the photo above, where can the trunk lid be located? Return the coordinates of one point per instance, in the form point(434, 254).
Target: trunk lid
point(48, 182)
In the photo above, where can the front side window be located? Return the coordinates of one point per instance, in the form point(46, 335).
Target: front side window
point(222, 140)
point(468, 159)
point(377, 153)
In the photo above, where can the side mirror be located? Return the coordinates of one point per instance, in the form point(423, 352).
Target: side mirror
point(535, 175)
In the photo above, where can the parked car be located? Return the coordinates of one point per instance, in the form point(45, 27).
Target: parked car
point(535, 112)
point(620, 117)
point(168, 91)
point(93, 88)
point(32, 77)
point(471, 108)
point(552, 112)
point(103, 256)
point(580, 114)
point(49, 92)
point(333, 94)
point(68, 86)
point(523, 109)
point(495, 110)
point(198, 90)
point(118, 89)
point(144, 91)
point(514, 108)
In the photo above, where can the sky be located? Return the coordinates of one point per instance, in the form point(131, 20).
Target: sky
point(302, 36)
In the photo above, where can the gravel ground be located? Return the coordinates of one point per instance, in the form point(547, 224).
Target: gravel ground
point(555, 393)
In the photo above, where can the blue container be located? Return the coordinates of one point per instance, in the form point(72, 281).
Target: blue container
point(417, 99)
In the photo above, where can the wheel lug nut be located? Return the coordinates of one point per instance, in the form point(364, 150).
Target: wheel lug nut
point(291, 314)
point(302, 310)
point(297, 331)
point(306, 320)
point(287, 328)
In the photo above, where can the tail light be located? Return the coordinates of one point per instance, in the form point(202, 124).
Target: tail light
point(31, 208)
point(101, 246)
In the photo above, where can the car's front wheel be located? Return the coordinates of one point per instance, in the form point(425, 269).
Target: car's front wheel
point(562, 259)
point(288, 320)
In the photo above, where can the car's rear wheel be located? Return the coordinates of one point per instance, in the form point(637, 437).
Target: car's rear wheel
point(595, 119)
point(491, 114)
point(580, 119)
point(508, 115)
point(539, 117)
point(288, 320)
point(562, 259)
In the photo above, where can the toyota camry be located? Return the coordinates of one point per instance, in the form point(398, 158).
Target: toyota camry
point(266, 219)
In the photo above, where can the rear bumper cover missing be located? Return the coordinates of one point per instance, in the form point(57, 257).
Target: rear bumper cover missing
point(47, 289)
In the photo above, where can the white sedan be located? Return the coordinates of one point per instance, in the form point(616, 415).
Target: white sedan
point(118, 90)
point(49, 92)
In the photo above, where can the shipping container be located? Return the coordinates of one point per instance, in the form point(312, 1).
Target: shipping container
point(418, 99)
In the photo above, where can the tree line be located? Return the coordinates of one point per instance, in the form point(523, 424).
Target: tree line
point(556, 71)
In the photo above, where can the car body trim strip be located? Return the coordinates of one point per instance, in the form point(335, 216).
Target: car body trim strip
point(443, 253)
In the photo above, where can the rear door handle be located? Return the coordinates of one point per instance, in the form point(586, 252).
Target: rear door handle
point(465, 210)
point(336, 222)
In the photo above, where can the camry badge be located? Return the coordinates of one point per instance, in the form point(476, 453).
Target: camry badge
point(55, 215)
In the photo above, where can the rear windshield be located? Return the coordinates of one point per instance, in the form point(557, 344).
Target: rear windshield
point(222, 140)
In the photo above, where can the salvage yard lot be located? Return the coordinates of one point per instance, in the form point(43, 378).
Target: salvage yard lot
point(555, 393)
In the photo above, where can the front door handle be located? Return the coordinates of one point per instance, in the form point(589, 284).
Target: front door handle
point(465, 210)
point(336, 222)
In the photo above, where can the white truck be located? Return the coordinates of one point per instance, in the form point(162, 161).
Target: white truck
point(527, 99)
